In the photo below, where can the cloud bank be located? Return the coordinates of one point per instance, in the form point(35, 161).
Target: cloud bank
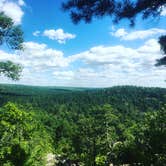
point(100, 66)
point(140, 34)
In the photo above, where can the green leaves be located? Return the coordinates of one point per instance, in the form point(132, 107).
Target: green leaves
point(10, 69)
point(10, 34)
point(162, 42)
point(5, 22)
point(145, 142)
point(86, 134)
point(89, 9)
point(100, 160)
point(23, 139)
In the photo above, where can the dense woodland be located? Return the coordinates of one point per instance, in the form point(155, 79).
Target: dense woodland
point(82, 126)
point(91, 127)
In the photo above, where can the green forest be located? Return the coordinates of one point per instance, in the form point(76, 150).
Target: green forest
point(66, 126)
point(69, 126)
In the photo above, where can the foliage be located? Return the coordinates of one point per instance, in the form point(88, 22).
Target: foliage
point(100, 160)
point(124, 98)
point(130, 9)
point(148, 144)
point(86, 10)
point(162, 42)
point(10, 69)
point(23, 141)
point(93, 127)
point(12, 36)
point(151, 136)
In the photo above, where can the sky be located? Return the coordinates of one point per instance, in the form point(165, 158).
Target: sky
point(99, 54)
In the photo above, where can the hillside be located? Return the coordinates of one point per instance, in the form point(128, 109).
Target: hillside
point(82, 126)
point(138, 97)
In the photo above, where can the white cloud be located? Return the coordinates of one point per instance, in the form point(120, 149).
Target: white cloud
point(63, 75)
point(12, 9)
point(120, 33)
point(120, 55)
point(38, 62)
point(100, 66)
point(102, 55)
point(119, 65)
point(21, 2)
point(150, 47)
point(36, 33)
point(140, 34)
point(37, 56)
point(163, 12)
point(43, 57)
point(59, 35)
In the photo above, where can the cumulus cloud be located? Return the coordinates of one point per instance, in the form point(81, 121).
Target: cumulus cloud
point(163, 12)
point(13, 9)
point(37, 56)
point(38, 62)
point(119, 65)
point(43, 57)
point(36, 33)
point(63, 75)
point(120, 55)
point(120, 33)
point(59, 35)
point(100, 66)
point(140, 34)
point(21, 2)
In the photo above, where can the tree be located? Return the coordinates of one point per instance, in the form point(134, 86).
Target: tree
point(23, 138)
point(162, 41)
point(86, 10)
point(151, 136)
point(11, 70)
point(12, 36)
point(13, 128)
point(147, 145)
point(94, 136)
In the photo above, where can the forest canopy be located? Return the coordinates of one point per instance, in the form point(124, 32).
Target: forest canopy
point(92, 127)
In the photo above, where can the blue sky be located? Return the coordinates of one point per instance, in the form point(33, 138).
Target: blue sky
point(99, 54)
